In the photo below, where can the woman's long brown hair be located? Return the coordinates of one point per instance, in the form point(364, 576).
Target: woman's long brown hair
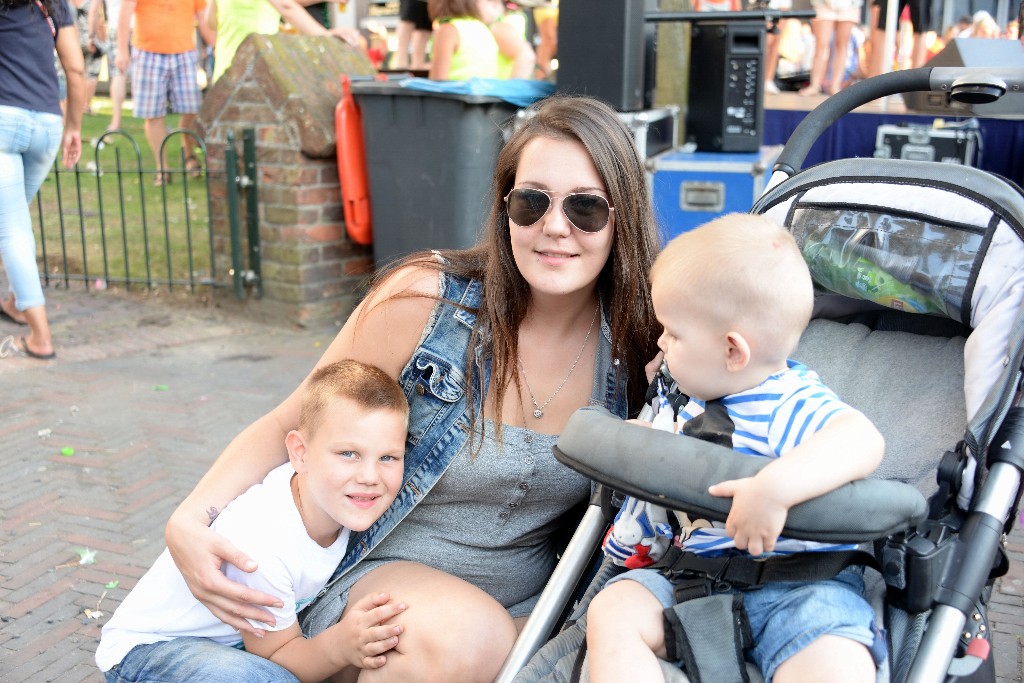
point(623, 283)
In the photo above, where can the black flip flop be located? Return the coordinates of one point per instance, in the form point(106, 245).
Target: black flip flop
point(10, 318)
point(29, 352)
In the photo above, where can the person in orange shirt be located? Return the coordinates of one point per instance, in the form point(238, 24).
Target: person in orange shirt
point(163, 60)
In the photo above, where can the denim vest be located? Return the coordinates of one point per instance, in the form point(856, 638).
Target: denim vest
point(434, 382)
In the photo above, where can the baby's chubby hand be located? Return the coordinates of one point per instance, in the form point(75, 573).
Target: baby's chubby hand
point(757, 516)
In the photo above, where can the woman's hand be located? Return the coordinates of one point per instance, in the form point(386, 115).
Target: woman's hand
point(199, 552)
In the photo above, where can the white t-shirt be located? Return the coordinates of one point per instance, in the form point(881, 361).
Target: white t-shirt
point(265, 524)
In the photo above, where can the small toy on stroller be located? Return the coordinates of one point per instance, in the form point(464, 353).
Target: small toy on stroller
point(920, 324)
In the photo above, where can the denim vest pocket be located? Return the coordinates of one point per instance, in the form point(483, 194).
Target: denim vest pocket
point(438, 386)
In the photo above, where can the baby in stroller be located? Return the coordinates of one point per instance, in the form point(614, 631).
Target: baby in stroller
point(734, 297)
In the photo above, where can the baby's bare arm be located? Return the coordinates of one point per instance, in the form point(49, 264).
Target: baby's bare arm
point(846, 449)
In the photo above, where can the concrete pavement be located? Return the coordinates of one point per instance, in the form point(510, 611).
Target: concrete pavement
point(147, 392)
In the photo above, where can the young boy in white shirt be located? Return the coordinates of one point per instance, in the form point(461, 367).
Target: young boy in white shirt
point(345, 469)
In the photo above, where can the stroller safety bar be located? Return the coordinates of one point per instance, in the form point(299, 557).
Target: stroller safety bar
point(558, 592)
point(674, 471)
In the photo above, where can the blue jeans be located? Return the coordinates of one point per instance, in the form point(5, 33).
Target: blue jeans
point(787, 617)
point(28, 145)
point(195, 659)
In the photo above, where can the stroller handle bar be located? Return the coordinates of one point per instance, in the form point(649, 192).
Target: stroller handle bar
point(968, 85)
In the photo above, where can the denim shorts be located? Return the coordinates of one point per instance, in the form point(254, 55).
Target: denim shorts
point(195, 659)
point(787, 617)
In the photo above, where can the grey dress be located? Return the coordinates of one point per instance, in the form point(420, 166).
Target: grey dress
point(490, 518)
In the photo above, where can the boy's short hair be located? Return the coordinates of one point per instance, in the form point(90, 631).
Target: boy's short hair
point(750, 273)
point(366, 385)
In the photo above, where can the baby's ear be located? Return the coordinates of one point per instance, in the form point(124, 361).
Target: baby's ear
point(737, 351)
point(296, 450)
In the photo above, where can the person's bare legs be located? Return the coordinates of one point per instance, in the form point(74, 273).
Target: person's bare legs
point(771, 60)
point(625, 634)
point(10, 309)
point(877, 41)
point(919, 52)
point(38, 340)
point(419, 49)
point(403, 34)
point(156, 131)
point(118, 90)
point(453, 631)
point(839, 56)
point(90, 93)
point(548, 47)
point(829, 658)
point(822, 38)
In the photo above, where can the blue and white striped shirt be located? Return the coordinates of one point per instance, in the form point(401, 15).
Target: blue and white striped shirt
point(767, 421)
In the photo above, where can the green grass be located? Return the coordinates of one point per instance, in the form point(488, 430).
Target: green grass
point(106, 221)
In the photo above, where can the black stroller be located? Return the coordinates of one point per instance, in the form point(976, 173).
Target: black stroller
point(919, 322)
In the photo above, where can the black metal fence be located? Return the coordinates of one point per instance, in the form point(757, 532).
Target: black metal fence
point(110, 221)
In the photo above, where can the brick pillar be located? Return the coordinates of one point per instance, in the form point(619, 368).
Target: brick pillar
point(286, 87)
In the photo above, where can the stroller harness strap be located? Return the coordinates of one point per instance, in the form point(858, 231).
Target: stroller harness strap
point(696, 576)
point(709, 635)
point(707, 628)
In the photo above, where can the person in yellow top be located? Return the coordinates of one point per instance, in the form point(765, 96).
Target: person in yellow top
point(233, 20)
point(464, 47)
point(516, 58)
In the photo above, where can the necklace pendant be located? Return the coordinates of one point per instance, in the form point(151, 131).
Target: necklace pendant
point(538, 413)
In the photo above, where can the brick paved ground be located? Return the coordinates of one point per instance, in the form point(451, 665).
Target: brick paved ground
point(147, 393)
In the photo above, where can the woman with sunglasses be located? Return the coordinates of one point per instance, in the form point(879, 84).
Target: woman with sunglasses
point(31, 131)
point(495, 346)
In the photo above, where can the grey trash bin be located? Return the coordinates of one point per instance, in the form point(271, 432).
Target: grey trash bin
point(430, 158)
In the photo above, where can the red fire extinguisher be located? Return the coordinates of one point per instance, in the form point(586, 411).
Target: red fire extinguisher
point(355, 185)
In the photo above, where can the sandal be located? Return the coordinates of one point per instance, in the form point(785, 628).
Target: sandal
point(194, 168)
point(32, 354)
point(161, 179)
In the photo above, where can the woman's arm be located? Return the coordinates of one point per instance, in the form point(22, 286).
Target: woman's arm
point(446, 42)
point(210, 19)
point(512, 44)
point(69, 51)
point(382, 331)
point(124, 28)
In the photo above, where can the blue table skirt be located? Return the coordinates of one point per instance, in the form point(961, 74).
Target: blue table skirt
point(854, 136)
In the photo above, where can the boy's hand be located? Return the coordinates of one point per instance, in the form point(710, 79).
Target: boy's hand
point(640, 536)
point(362, 636)
point(757, 514)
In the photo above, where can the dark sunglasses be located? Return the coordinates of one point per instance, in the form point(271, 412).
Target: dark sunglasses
point(587, 212)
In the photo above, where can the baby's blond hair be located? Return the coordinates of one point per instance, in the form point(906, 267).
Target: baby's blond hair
point(745, 272)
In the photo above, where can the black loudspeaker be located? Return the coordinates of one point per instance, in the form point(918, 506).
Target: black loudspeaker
point(601, 50)
point(725, 112)
point(972, 52)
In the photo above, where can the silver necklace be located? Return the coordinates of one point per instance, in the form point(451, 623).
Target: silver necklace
point(538, 410)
